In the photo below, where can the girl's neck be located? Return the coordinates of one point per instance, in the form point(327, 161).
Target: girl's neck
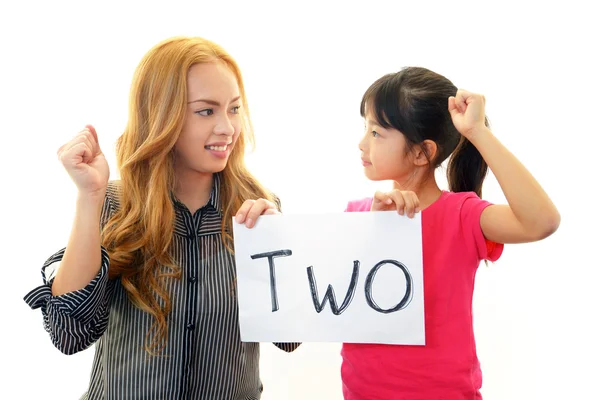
point(427, 191)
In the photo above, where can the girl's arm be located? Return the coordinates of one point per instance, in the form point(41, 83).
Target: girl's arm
point(530, 214)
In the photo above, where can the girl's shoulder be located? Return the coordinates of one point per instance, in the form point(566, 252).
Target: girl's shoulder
point(359, 205)
point(455, 201)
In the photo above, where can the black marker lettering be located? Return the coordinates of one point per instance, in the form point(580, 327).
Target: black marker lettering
point(330, 294)
point(271, 255)
point(369, 287)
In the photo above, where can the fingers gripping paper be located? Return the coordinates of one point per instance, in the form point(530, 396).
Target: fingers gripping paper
point(342, 277)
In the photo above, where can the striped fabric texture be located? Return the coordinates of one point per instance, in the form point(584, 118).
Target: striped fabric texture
point(204, 357)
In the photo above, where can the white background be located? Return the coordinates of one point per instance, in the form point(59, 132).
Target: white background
point(306, 65)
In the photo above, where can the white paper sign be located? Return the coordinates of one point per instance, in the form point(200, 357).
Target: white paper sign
point(344, 277)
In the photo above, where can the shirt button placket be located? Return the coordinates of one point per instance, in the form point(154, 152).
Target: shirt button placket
point(192, 293)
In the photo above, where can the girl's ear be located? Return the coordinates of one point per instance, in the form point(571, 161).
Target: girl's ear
point(424, 153)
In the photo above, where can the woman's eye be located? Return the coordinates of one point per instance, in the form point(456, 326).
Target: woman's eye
point(206, 112)
point(375, 134)
point(236, 110)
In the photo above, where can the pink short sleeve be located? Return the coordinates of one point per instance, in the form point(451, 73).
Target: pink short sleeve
point(471, 210)
point(359, 205)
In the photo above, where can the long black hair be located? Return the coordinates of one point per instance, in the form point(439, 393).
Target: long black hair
point(415, 102)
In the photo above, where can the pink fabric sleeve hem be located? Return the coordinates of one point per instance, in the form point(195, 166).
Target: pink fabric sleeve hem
point(487, 249)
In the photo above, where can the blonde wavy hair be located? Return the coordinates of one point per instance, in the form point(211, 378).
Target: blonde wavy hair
point(138, 236)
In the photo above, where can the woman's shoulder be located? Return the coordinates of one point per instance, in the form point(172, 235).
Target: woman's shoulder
point(113, 193)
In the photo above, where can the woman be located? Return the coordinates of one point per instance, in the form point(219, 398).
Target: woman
point(148, 273)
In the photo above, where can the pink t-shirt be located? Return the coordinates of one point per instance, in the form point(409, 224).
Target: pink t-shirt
point(447, 366)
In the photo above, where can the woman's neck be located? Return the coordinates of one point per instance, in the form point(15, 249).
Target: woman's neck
point(193, 188)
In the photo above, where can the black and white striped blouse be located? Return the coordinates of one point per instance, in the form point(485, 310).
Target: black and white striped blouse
point(204, 357)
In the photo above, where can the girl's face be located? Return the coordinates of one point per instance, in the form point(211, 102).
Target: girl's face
point(384, 152)
point(212, 122)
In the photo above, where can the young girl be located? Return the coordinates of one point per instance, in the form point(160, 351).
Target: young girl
point(415, 119)
point(148, 275)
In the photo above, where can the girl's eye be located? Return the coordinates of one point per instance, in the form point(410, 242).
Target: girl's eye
point(205, 113)
point(236, 110)
point(375, 134)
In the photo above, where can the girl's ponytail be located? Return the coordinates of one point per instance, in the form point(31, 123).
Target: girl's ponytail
point(466, 168)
